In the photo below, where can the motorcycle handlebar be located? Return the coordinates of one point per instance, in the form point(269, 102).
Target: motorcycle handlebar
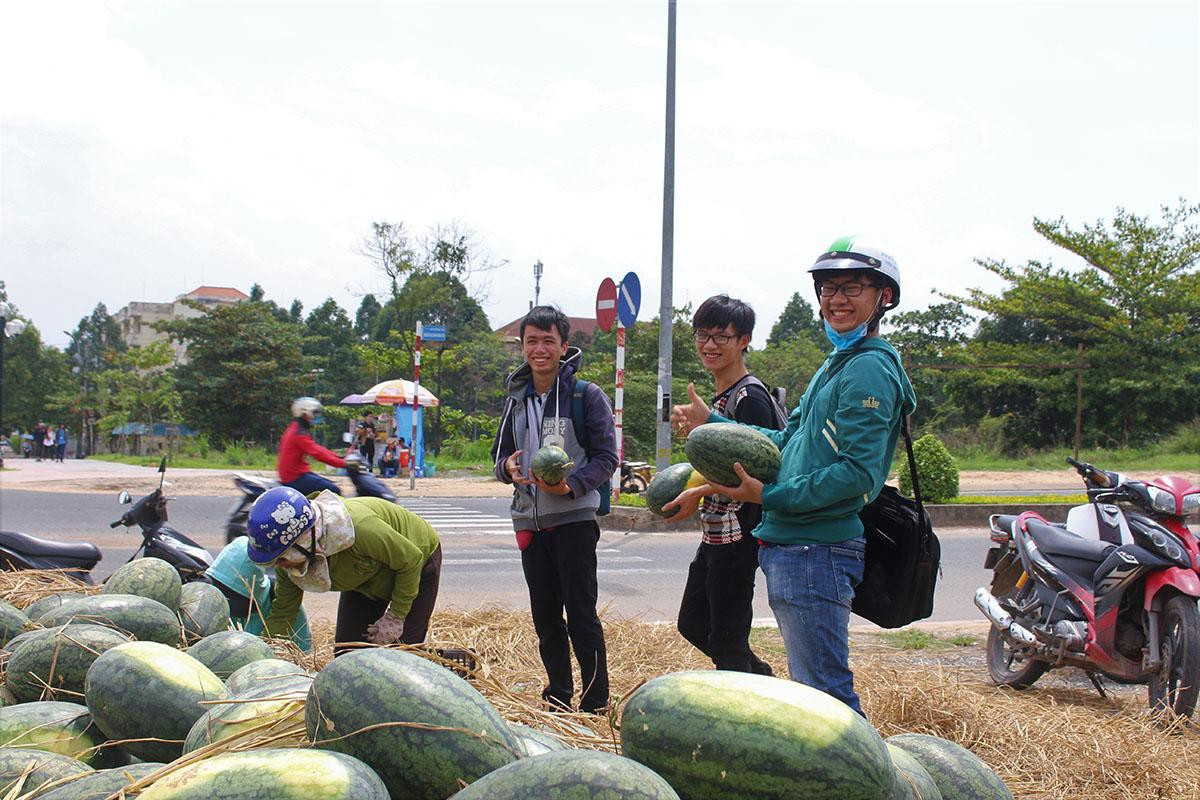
point(116, 524)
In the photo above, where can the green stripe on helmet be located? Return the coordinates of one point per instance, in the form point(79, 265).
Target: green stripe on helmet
point(841, 245)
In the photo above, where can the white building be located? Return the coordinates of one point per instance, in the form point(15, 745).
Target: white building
point(137, 318)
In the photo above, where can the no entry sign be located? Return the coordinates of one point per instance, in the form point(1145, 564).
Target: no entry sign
point(606, 304)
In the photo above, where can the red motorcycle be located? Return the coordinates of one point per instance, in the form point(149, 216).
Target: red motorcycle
point(1112, 591)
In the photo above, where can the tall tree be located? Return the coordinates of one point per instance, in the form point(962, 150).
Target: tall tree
point(296, 312)
point(139, 386)
point(331, 343)
point(364, 318)
point(797, 319)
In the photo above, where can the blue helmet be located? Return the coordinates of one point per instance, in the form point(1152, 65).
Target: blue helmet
point(277, 518)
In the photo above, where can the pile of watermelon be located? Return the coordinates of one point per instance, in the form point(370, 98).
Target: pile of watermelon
point(119, 693)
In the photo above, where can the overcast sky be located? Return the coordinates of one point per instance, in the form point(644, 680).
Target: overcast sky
point(146, 148)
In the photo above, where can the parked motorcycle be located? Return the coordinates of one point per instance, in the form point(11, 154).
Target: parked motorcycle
point(635, 476)
point(159, 540)
point(1113, 590)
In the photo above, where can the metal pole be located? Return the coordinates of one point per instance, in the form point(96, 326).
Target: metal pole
point(3, 427)
point(666, 308)
point(619, 410)
point(1078, 399)
point(416, 410)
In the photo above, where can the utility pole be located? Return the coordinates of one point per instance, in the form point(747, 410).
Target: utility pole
point(8, 327)
point(537, 282)
point(666, 309)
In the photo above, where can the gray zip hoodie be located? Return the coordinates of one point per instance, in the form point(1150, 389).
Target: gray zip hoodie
point(532, 510)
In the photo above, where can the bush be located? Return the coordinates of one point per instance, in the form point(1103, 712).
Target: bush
point(936, 468)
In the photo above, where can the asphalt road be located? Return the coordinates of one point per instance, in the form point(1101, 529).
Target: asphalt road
point(641, 574)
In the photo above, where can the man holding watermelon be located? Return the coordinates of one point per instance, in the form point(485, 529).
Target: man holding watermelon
point(555, 522)
point(718, 599)
point(836, 452)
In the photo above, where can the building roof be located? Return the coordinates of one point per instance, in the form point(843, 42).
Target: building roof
point(217, 293)
point(584, 325)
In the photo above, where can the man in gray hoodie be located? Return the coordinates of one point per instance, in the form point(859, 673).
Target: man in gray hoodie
point(556, 524)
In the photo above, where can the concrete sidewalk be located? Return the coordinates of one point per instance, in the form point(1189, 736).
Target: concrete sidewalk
point(18, 471)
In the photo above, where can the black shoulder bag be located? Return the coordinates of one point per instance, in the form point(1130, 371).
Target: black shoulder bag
point(903, 554)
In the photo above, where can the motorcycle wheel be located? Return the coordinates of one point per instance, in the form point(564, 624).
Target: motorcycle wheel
point(634, 484)
point(1005, 667)
point(1176, 684)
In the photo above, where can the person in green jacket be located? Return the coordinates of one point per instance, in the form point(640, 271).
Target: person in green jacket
point(385, 560)
point(836, 453)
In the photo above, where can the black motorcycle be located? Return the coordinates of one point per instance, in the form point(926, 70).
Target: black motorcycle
point(251, 486)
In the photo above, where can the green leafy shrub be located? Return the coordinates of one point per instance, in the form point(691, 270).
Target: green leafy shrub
point(936, 468)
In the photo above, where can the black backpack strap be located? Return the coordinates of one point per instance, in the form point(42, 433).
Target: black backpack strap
point(912, 463)
point(578, 418)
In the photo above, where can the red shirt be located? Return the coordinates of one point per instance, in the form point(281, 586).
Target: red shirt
point(294, 446)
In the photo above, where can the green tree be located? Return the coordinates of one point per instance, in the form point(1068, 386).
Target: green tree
point(926, 339)
point(296, 312)
point(364, 318)
point(797, 320)
point(331, 343)
point(138, 386)
point(35, 374)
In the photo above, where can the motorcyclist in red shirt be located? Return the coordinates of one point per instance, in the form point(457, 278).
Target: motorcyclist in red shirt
point(297, 443)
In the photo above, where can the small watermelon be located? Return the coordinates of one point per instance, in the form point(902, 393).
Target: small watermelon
point(666, 486)
point(958, 773)
point(38, 767)
point(455, 733)
point(203, 610)
point(147, 577)
point(56, 660)
point(713, 449)
point(279, 774)
point(102, 784)
point(551, 464)
point(142, 618)
point(720, 735)
point(146, 690)
point(56, 727)
point(13, 621)
point(41, 606)
point(535, 742)
point(913, 782)
point(227, 651)
point(578, 774)
point(264, 672)
point(260, 711)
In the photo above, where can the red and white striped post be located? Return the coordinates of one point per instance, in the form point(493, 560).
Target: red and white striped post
point(618, 412)
point(416, 407)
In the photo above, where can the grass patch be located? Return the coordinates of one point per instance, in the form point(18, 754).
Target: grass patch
point(915, 639)
point(634, 500)
point(1020, 500)
point(214, 460)
point(1126, 459)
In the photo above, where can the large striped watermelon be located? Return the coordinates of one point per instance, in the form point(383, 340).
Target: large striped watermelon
point(142, 618)
point(278, 774)
point(716, 735)
point(261, 710)
point(203, 610)
point(958, 773)
point(53, 662)
point(44, 604)
point(102, 784)
point(428, 728)
point(34, 768)
point(146, 690)
point(56, 727)
point(264, 672)
point(13, 621)
point(713, 448)
point(227, 651)
point(913, 782)
point(147, 577)
point(574, 774)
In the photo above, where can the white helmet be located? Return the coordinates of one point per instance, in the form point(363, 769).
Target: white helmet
point(306, 408)
point(848, 253)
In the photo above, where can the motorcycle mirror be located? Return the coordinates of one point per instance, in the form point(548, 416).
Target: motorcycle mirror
point(162, 465)
point(124, 498)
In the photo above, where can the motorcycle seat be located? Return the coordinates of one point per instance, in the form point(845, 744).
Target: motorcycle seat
point(1057, 541)
point(69, 553)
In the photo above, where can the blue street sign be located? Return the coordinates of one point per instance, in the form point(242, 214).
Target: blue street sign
point(433, 333)
point(629, 299)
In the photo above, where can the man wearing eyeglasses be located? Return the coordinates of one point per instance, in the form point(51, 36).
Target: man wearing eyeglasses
point(718, 599)
point(836, 452)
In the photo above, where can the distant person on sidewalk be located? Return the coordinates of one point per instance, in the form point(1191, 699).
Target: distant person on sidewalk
point(60, 442)
point(39, 436)
point(297, 444)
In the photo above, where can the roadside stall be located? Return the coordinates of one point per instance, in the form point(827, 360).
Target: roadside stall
point(398, 393)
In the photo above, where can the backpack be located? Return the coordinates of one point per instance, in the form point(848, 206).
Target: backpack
point(902, 559)
point(781, 414)
point(579, 423)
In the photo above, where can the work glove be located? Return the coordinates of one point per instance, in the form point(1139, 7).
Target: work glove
point(386, 630)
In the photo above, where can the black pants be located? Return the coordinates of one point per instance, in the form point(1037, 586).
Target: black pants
point(560, 570)
point(368, 453)
point(357, 611)
point(718, 604)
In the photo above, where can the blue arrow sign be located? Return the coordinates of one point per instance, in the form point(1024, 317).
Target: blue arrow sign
point(629, 299)
point(433, 333)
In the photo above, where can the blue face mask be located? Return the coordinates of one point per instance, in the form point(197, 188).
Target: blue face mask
point(844, 341)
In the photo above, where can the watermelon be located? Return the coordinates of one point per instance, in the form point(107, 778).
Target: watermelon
point(12, 622)
point(715, 735)
point(534, 742)
point(913, 782)
point(6, 697)
point(41, 606)
point(454, 732)
point(278, 774)
point(102, 784)
point(226, 651)
point(42, 768)
point(142, 618)
point(958, 773)
point(146, 690)
point(203, 610)
point(574, 774)
point(56, 660)
point(259, 710)
point(147, 577)
point(56, 727)
point(713, 449)
point(551, 464)
point(666, 486)
point(264, 672)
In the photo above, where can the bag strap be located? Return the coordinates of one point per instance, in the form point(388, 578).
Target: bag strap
point(577, 418)
point(912, 463)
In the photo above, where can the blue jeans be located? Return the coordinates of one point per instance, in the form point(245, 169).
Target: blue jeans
point(809, 587)
point(311, 482)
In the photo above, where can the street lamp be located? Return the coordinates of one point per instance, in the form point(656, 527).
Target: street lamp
point(8, 327)
point(537, 281)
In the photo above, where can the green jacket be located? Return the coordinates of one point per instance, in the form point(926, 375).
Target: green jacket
point(837, 447)
point(391, 546)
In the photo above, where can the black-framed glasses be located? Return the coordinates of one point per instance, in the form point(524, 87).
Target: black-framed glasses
point(719, 339)
point(848, 289)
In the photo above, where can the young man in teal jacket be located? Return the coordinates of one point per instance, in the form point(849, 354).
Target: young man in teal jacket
point(836, 453)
